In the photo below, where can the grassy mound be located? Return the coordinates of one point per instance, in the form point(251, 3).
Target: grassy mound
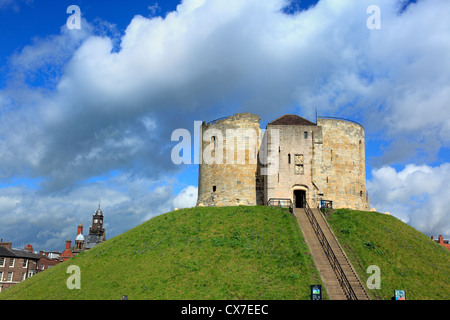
point(243, 253)
point(408, 260)
point(198, 253)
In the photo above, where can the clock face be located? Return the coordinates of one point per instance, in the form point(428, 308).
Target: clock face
point(95, 220)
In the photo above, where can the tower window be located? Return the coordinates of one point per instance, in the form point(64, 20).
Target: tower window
point(289, 158)
point(214, 188)
point(299, 169)
point(306, 134)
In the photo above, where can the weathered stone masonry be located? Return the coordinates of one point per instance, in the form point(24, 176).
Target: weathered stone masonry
point(228, 181)
point(313, 162)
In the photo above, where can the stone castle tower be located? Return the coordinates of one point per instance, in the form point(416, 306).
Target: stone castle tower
point(293, 158)
point(229, 175)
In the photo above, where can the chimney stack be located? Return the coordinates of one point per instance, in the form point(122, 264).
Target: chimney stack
point(80, 229)
point(6, 244)
point(29, 248)
point(68, 243)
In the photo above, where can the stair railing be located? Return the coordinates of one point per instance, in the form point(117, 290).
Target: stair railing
point(280, 202)
point(335, 265)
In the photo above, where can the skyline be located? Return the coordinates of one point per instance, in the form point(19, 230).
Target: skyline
point(88, 113)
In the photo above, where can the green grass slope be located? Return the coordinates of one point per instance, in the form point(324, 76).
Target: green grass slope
point(408, 260)
point(198, 253)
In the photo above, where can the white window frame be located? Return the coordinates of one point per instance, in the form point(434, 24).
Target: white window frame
point(25, 264)
point(2, 262)
point(13, 261)
point(12, 277)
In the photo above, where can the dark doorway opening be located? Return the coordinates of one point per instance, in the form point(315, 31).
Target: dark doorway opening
point(300, 198)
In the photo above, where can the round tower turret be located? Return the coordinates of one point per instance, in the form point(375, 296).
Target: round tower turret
point(228, 170)
point(339, 168)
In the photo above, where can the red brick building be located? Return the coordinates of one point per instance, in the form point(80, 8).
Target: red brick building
point(67, 253)
point(442, 242)
point(46, 261)
point(97, 234)
point(16, 265)
point(19, 265)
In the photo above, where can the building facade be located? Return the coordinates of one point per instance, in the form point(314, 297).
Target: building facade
point(442, 242)
point(17, 265)
point(293, 159)
point(97, 234)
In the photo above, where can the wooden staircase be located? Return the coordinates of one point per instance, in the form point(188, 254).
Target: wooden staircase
point(337, 273)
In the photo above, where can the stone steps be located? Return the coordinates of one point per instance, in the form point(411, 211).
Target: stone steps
point(326, 272)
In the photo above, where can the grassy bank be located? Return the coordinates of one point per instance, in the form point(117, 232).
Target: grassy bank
point(407, 259)
point(198, 253)
point(243, 253)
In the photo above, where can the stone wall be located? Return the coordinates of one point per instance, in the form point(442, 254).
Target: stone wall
point(228, 172)
point(339, 164)
point(323, 161)
point(295, 154)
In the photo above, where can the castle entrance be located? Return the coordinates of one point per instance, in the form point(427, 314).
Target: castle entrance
point(299, 198)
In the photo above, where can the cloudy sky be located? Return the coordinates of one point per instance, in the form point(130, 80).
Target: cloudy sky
point(88, 113)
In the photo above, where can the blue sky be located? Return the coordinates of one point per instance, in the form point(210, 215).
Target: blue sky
point(88, 114)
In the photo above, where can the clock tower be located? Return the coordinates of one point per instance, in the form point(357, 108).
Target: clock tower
point(96, 231)
point(97, 222)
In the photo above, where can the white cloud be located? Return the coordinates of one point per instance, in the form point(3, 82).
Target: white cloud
point(187, 198)
point(418, 195)
point(210, 55)
point(108, 106)
point(47, 221)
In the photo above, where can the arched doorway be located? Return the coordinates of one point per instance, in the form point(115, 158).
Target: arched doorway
point(300, 198)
